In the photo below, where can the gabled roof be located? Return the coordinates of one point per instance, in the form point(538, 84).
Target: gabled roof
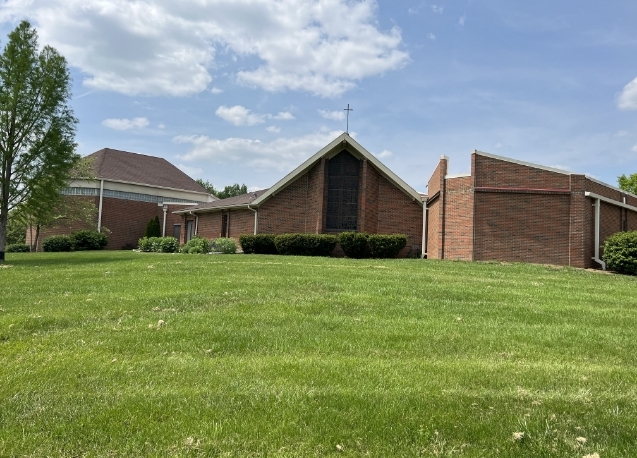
point(122, 166)
point(343, 141)
point(231, 202)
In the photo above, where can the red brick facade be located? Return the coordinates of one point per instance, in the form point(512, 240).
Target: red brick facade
point(509, 211)
point(300, 207)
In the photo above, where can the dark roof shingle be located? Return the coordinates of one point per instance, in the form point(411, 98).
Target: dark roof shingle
point(243, 199)
point(111, 164)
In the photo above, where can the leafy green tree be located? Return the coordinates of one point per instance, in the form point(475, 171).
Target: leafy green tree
point(628, 183)
point(228, 191)
point(37, 127)
point(47, 208)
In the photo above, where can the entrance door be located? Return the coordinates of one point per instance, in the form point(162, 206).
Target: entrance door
point(190, 230)
point(177, 231)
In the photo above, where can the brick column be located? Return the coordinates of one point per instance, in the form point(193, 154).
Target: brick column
point(363, 198)
point(320, 220)
point(579, 252)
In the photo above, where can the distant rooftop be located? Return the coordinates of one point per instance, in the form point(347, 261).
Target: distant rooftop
point(112, 164)
point(237, 201)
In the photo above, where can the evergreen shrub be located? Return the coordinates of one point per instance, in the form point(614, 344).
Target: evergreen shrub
point(88, 240)
point(258, 244)
point(196, 245)
point(386, 246)
point(354, 244)
point(17, 248)
point(224, 245)
point(153, 229)
point(620, 252)
point(57, 243)
point(305, 244)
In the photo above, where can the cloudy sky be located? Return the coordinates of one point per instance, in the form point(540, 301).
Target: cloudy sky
point(245, 90)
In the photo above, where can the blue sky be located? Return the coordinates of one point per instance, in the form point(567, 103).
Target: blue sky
point(245, 90)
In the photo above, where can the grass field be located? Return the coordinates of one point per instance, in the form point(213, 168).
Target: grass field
point(140, 354)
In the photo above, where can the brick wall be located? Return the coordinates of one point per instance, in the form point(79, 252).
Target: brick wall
point(498, 173)
point(435, 211)
point(459, 200)
point(123, 220)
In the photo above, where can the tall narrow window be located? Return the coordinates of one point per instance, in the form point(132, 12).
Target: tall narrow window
point(342, 192)
point(224, 225)
point(190, 230)
point(177, 231)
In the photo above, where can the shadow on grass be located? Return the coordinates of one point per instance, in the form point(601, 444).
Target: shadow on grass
point(67, 259)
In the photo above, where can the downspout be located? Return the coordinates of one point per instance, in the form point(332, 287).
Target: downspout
point(256, 219)
point(424, 228)
point(196, 224)
point(99, 212)
point(597, 224)
point(163, 232)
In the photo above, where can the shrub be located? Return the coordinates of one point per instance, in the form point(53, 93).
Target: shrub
point(386, 246)
point(152, 228)
point(88, 240)
point(57, 243)
point(305, 244)
point(159, 244)
point(196, 245)
point(168, 245)
point(17, 248)
point(225, 245)
point(258, 244)
point(354, 244)
point(620, 252)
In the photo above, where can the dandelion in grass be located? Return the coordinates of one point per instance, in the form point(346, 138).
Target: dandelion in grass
point(518, 436)
point(592, 455)
point(160, 323)
point(581, 440)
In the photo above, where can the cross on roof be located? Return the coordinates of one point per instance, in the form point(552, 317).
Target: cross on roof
point(348, 109)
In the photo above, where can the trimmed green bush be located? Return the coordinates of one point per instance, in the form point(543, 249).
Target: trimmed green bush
point(159, 244)
point(386, 246)
point(168, 245)
point(354, 244)
point(620, 252)
point(17, 248)
point(224, 245)
point(258, 244)
point(196, 245)
point(153, 229)
point(88, 240)
point(305, 244)
point(57, 243)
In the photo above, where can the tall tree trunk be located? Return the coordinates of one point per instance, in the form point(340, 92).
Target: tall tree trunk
point(3, 234)
point(37, 236)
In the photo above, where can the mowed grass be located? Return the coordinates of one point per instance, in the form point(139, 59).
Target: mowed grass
point(295, 357)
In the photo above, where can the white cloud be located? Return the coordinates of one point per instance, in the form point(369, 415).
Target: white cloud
point(432, 37)
point(190, 171)
point(384, 154)
point(216, 90)
point(282, 154)
point(162, 126)
point(622, 133)
point(167, 47)
point(239, 116)
point(333, 115)
point(273, 129)
point(627, 100)
point(634, 148)
point(283, 116)
point(437, 9)
point(462, 20)
point(125, 124)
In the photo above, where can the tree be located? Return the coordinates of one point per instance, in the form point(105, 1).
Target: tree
point(37, 127)
point(48, 207)
point(228, 191)
point(153, 229)
point(628, 183)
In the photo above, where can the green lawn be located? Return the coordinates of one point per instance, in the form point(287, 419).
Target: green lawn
point(141, 354)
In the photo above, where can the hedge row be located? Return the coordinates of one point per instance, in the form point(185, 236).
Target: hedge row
point(354, 244)
point(620, 252)
point(79, 241)
point(17, 248)
point(196, 245)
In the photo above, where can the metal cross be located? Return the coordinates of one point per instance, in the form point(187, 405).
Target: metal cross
point(348, 109)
